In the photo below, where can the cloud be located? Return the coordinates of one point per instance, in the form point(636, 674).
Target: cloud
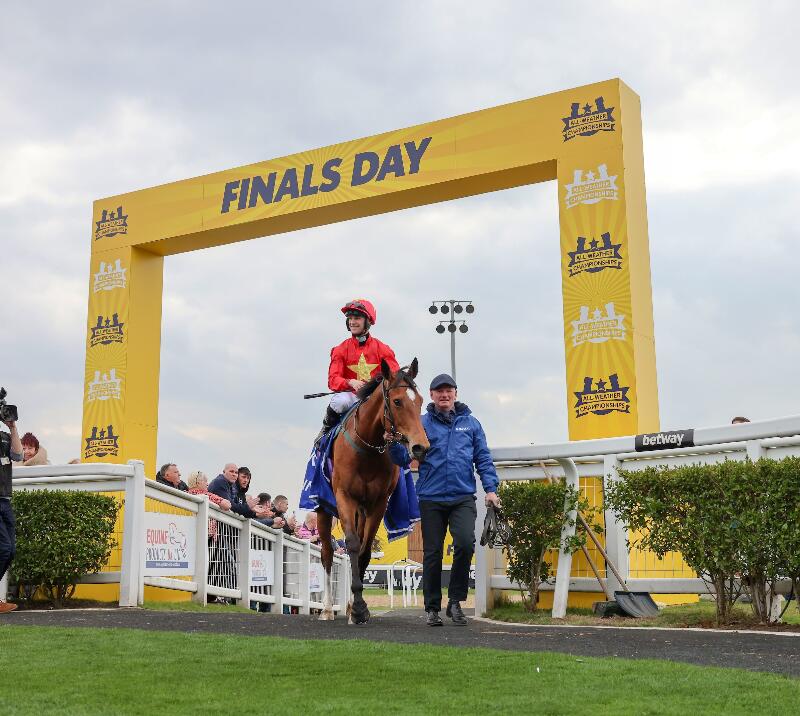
point(92, 112)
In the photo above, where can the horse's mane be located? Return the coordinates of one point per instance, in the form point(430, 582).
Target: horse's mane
point(369, 387)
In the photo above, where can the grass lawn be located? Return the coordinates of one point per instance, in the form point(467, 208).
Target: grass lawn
point(119, 671)
point(701, 614)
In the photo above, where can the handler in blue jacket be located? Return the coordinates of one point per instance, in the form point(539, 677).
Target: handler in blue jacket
point(446, 488)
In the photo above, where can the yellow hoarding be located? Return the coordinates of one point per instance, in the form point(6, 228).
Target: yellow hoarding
point(588, 139)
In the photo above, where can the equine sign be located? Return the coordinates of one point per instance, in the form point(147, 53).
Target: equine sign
point(262, 567)
point(169, 544)
point(574, 137)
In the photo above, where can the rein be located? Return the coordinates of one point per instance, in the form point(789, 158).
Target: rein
point(394, 434)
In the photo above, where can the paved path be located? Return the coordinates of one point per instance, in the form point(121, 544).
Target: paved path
point(775, 653)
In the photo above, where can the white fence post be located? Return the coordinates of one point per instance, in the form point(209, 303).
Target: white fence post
point(305, 565)
point(561, 592)
point(344, 583)
point(243, 568)
point(616, 534)
point(201, 555)
point(484, 563)
point(755, 450)
point(131, 578)
point(277, 581)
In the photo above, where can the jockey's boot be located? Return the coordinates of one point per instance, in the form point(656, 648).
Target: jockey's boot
point(330, 420)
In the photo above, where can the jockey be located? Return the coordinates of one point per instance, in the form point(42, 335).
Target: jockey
point(355, 360)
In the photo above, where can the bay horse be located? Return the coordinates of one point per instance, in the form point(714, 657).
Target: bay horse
point(364, 475)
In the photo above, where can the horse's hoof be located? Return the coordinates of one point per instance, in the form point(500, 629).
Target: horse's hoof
point(360, 618)
point(326, 617)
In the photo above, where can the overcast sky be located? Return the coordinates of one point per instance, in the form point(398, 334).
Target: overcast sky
point(114, 97)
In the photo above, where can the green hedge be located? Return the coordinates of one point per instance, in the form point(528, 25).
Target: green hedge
point(536, 512)
point(737, 524)
point(61, 536)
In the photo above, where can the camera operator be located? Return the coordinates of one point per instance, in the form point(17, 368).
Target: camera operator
point(10, 449)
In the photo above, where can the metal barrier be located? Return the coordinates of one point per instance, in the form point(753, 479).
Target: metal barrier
point(601, 460)
point(174, 540)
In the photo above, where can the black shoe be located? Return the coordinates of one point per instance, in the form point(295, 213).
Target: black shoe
point(434, 619)
point(455, 613)
point(330, 420)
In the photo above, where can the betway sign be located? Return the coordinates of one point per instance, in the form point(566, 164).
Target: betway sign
point(665, 440)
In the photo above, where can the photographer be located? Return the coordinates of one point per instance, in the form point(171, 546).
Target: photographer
point(10, 449)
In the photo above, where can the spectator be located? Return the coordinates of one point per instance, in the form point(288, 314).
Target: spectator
point(265, 502)
point(243, 478)
point(170, 475)
point(198, 485)
point(32, 452)
point(738, 420)
point(10, 450)
point(225, 486)
point(279, 508)
point(308, 530)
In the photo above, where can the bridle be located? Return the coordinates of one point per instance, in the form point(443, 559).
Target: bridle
point(496, 532)
point(395, 436)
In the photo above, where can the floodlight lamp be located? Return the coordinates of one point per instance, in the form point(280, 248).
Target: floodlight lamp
point(440, 328)
point(451, 327)
point(458, 308)
point(445, 308)
point(433, 308)
point(470, 308)
point(463, 328)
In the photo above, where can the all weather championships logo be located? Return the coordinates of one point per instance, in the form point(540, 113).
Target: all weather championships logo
point(110, 276)
point(111, 223)
point(599, 327)
point(605, 398)
point(590, 121)
point(596, 257)
point(105, 387)
point(590, 188)
point(106, 331)
point(166, 548)
point(101, 443)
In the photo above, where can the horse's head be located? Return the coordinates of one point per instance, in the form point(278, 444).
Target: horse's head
point(404, 407)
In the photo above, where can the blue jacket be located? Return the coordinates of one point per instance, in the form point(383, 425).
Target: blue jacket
point(228, 491)
point(447, 474)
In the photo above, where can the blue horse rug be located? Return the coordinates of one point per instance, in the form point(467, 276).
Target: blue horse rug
point(402, 511)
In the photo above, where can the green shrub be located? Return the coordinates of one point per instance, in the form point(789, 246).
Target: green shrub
point(61, 536)
point(737, 524)
point(536, 512)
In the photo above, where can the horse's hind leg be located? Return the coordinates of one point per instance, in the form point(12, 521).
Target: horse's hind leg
point(324, 523)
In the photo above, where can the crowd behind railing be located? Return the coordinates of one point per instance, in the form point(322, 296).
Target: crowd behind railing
point(229, 492)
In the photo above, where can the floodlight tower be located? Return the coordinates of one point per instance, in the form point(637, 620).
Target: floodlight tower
point(452, 307)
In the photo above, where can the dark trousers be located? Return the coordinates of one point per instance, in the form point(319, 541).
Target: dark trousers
point(7, 537)
point(436, 518)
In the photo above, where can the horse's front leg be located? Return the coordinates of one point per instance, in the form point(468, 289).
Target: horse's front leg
point(324, 524)
point(347, 507)
point(373, 522)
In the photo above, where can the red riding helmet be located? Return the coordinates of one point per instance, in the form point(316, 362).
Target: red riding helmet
point(361, 307)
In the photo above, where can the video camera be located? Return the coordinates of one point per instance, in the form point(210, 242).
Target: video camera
point(8, 413)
